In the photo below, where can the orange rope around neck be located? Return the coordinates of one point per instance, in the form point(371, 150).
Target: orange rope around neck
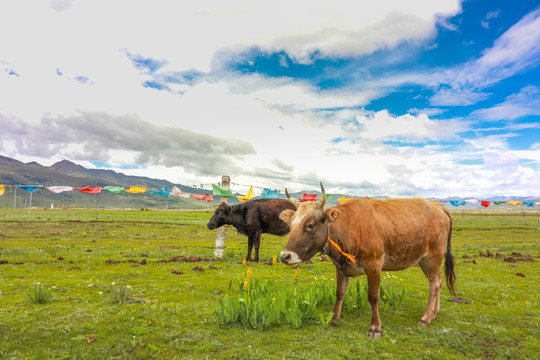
point(336, 246)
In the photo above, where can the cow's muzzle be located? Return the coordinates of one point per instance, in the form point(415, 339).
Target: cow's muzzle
point(290, 258)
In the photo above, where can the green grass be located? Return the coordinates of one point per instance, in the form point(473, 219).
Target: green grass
point(112, 297)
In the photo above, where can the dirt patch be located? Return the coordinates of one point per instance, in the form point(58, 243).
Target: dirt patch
point(194, 258)
point(520, 274)
point(487, 254)
point(459, 300)
point(170, 247)
point(516, 257)
point(512, 258)
point(177, 272)
point(197, 268)
point(174, 259)
point(3, 262)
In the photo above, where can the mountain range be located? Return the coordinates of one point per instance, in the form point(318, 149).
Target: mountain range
point(65, 172)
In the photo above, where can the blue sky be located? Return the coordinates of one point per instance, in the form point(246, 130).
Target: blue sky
point(419, 98)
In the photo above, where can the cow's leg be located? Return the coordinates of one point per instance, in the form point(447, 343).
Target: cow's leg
point(250, 247)
point(431, 266)
point(341, 287)
point(373, 274)
point(257, 244)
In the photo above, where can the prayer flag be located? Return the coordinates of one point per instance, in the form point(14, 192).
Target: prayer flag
point(267, 193)
point(219, 191)
point(472, 201)
point(90, 190)
point(206, 197)
point(457, 202)
point(59, 189)
point(2, 188)
point(115, 189)
point(529, 203)
point(161, 191)
point(343, 198)
point(309, 197)
point(177, 191)
point(29, 188)
point(250, 195)
point(514, 203)
point(499, 202)
point(485, 203)
point(136, 189)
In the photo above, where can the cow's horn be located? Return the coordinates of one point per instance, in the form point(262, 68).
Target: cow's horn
point(322, 200)
point(294, 201)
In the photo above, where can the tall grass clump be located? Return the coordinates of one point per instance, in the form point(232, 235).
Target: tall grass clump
point(121, 294)
point(259, 305)
point(40, 294)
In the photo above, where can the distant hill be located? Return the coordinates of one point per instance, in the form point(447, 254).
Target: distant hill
point(67, 173)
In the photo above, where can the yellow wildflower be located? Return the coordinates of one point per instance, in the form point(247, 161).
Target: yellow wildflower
point(274, 260)
point(297, 274)
point(249, 276)
point(244, 262)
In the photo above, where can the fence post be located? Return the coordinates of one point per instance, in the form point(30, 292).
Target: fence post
point(220, 234)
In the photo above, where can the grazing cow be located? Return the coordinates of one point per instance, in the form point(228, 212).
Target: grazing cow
point(371, 236)
point(253, 218)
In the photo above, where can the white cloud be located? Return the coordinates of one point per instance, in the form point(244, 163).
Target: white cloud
point(382, 125)
point(490, 15)
point(517, 50)
point(524, 103)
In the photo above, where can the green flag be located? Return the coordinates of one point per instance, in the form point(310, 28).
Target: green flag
point(218, 191)
point(115, 189)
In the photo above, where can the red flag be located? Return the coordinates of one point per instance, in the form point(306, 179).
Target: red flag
point(485, 203)
point(90, 190)
point(206, 197)
point(309, 197)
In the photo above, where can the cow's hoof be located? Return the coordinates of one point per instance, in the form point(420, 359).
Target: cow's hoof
point(374, 334)
point(423, 323)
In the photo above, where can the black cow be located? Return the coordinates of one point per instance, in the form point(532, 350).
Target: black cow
point(253, 218)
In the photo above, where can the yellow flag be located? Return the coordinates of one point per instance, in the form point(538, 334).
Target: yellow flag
point(513, 202)
point(250, 195)
point(2, 188)
point(136, 189)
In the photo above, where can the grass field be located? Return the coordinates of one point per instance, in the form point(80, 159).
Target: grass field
point(109, 292)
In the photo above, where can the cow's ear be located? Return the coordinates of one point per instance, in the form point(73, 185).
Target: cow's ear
point(332, 214)
point(286, 215)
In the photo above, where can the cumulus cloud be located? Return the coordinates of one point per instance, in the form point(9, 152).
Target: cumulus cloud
point(93, 136)
point(382, 125)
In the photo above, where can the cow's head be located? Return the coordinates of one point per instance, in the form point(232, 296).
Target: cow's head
point(221, 216)
point(309, 228)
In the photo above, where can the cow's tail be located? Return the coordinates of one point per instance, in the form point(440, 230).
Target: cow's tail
point(449, 260)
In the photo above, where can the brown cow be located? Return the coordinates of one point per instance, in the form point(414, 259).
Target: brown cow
point(382, 235)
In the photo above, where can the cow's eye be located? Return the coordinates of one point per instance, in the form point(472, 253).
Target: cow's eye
point(311, 226)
